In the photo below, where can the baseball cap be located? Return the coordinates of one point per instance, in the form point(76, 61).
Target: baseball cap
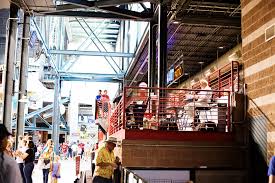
point(4, 132)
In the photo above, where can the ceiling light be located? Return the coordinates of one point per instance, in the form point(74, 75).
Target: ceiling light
point(176, 22)
point(201, 63)
point(220, 47)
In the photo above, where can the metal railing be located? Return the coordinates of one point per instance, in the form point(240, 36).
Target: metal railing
point(103, 108)
point(130, 177)
point(225, 78)
point(172, 109)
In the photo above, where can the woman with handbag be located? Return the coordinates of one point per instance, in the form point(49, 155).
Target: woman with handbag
point(45, 162)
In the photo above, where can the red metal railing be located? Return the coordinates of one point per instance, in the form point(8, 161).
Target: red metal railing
point(116, 118)
point(225, 78)
point(172, 109)
point(103, 109)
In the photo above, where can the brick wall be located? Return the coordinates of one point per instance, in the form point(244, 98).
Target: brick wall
point(259, 70)
point(173, 154)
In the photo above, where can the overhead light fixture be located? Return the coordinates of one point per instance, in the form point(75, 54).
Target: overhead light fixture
point(220, 47)
point(24, 99)
point(176, 22)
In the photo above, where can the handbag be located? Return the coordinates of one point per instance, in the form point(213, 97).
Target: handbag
point(47, 161)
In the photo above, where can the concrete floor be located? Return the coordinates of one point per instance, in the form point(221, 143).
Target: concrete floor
point(67, 171)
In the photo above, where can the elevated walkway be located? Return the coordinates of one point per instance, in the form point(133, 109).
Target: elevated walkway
point(157, 133)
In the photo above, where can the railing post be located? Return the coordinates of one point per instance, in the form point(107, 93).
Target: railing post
point(219, 81)
point(229, 113)
point(232, 78)
point(124, 105)
point(238, 76)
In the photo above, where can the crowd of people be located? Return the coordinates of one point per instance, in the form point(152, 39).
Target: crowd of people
point(102, 104)
point(16, 166)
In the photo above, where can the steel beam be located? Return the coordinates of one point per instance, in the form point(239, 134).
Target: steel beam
point(144, 7)
point(96, 44)
point(23, 77)
point(44, 109)
point(104, 3)
point(128, 13)
point(102, 80)
point(44, 121)
point(92, 77)
point(57, 88)
point(211, 21)
point(87, 14)
point(44, 45)
point(101, 44)
point(162, 46)
point(10, 63)
point(43, 129)
point(182, 5)
point(91, 53)
point(71, 64)
point(152, 55)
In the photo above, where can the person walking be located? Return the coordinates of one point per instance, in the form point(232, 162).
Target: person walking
point(22, 148)
point(105, 162)
point(55, 167)
point(28, 157)
point(93, 157)
point(45, 162)
point(9, 170)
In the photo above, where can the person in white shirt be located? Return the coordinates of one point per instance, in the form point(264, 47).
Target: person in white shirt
point(9, 170)
point(201, 99)
point(22, 148)
point(74, 148)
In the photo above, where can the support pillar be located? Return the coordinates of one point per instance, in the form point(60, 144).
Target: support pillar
point(56, 114)
point(162, 45)
point(23, 77)
point(162, 56)
point(152, 66)
point(57, 87)
point(122, 43)
point(10, 59)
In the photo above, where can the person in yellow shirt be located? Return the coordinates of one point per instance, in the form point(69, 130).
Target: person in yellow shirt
point(105, 162)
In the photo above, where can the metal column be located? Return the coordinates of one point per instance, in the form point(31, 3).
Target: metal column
point(23, 77)
point(152, 55)
point(10, 63)
point(162, 56)
point(57, 86)
point(162, 45)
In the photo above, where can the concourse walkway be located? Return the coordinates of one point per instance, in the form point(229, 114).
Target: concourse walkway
point(67, 171)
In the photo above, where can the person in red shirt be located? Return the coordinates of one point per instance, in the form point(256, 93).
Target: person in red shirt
point(81, 146)
point(105, 103)
point(65, 149)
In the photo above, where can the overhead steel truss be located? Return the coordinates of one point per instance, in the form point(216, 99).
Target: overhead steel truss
point(32, 116)
point(91, 77)
point(104, 9)
point(91, 53)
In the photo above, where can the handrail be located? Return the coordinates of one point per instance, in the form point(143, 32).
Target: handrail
point(129, 177)
point(226, 68)
point(152, 108)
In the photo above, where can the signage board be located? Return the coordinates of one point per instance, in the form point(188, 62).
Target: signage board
point(77, 165)
point(178, 72)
